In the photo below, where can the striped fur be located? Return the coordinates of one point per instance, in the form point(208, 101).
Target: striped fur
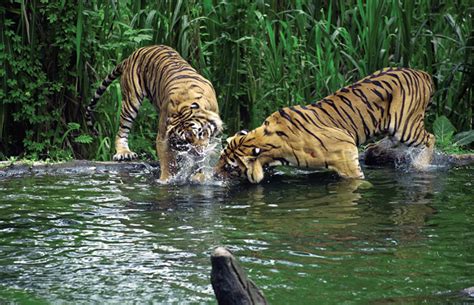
point(186, 101)
point(326, 134)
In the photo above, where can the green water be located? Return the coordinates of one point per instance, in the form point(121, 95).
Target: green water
point(303, 239)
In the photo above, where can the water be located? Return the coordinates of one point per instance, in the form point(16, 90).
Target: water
point(303, 238)
point(197, 167)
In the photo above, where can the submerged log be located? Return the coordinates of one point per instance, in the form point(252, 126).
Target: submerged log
point(231, 285)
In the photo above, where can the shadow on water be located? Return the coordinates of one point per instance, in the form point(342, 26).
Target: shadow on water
point(125, 237)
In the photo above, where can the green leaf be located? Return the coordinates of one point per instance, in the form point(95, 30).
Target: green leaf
point(464, 138)
point(73, 126)
point(443, 129)
point(84, 139)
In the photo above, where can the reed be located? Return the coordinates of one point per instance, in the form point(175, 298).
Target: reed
point(260, 55)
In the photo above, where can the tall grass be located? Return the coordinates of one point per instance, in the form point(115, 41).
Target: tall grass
point(260, 55)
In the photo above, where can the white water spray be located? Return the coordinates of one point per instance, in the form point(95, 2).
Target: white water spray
point(198, 168)
point(418, 159)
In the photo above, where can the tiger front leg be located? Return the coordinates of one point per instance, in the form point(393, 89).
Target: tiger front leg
point(345, 161)
point(123, 153)
point(167, 161)
point(130, 106)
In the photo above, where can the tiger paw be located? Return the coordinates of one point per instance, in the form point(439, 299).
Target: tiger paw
point(198, 178)
point(125, 155)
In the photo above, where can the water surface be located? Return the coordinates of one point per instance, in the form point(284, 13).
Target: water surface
point(303, 238)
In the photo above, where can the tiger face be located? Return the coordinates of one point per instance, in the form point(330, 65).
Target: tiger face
point(246, 156)
point(191, 127)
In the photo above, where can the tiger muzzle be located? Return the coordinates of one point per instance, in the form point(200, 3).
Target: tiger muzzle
point(186, 145)
point(179, 144)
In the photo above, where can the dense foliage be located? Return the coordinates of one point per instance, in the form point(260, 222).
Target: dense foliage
point(260, 55)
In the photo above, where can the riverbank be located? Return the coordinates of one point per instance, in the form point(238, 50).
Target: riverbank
point(25, 167)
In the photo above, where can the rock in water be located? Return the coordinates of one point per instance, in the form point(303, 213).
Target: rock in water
point(231, 285)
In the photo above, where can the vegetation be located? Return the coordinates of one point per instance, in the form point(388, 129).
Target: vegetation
point(260, 55)
point(447, 140)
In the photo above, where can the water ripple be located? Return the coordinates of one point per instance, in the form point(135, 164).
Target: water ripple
point(114, 238)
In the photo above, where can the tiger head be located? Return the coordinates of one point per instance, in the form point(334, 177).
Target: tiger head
point(249, 153)
point(192, 126)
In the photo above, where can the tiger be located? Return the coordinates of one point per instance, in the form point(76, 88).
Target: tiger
point(327, 133)
point(185, 100)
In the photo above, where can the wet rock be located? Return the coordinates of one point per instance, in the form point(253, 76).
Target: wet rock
point(230, 283)
point(468, 292)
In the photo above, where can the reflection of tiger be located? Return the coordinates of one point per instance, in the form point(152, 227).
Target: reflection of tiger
point(326, 134)
point(185, 100)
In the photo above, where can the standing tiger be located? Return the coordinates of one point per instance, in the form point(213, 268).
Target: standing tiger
point(326, 134)
point(185, 100)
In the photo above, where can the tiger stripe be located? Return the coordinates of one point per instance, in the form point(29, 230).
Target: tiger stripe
point(388, 102)
point(185, 100)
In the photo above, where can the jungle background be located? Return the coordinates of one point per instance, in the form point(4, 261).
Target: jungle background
point(260, 55)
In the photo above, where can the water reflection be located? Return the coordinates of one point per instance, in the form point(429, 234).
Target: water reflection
point(323, 200)
point(123, 238)
point(315, 223)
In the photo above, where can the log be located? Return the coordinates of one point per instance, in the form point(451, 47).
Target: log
point(230, 283)
point(23, 168)
point(394, 157)
point(16, 169)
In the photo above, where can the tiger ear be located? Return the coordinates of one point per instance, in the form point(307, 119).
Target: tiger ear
point(238, 133)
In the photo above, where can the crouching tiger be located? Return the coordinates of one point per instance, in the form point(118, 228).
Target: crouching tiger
point(326, 134)
point(185, 100)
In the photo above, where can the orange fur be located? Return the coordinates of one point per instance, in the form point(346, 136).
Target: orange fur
point(186, 102)
point(326, 134)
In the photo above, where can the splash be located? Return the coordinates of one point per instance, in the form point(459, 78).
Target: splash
point(418, 159)
point(197, 168)
point(406, 158)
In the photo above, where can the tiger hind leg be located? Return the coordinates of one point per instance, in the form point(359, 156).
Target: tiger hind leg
point(424, 157)
point(386, 151)
point(420, 144)
point(380, 147)
point(128, 114)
